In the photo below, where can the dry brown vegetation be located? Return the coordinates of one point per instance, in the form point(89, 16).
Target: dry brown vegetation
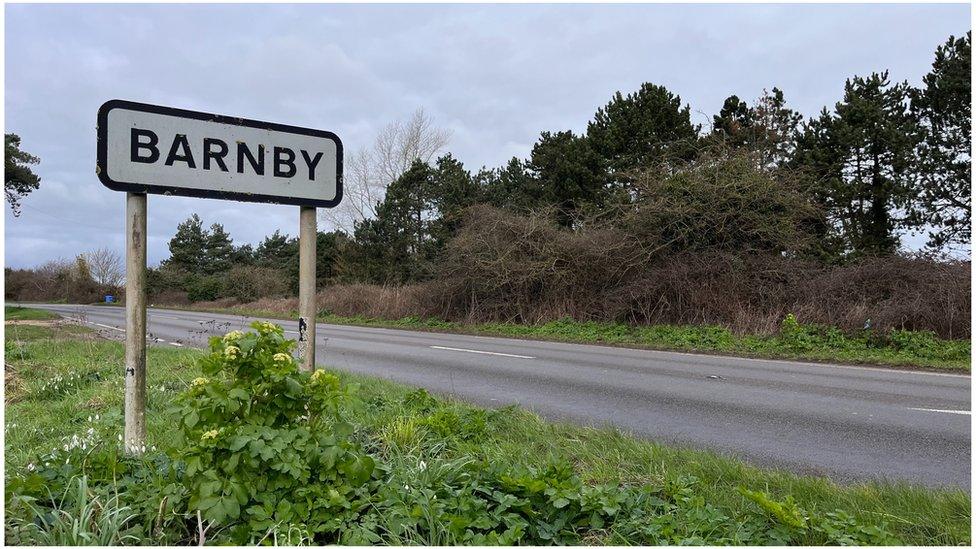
point(509, 268)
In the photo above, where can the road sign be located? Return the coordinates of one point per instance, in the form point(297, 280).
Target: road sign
point(160, 150)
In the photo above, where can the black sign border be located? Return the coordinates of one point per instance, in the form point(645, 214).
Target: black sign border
point(102, 148)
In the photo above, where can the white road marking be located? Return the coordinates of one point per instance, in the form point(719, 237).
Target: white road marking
point(879, 369)
point(962, 412)
point(175, 344)
point(107, 326)
point(479, 352)
point(167, 316)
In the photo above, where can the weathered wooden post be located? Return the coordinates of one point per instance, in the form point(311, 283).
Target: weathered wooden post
point(307, 307)
point(135, 323)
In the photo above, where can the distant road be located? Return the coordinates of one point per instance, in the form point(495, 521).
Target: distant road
point(843, 421)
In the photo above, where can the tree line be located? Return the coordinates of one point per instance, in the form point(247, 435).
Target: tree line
point(844, 185)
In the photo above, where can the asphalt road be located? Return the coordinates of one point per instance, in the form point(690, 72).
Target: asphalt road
point(846, 422)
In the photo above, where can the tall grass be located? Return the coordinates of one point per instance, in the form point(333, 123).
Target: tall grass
point(77, 517)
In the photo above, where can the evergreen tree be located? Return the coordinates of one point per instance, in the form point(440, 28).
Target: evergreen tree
point(276, 251)
point(570, 174)
point(734, 123)
point(943, 192)
point(860, 155)
point(188, 245)
point(393, 246)
point(768, 128)
point(243, 255)
point(777, 129)
point(642, 129)
point(218, 251)
point(18, 178)
point(452, 189)
point(512, 187)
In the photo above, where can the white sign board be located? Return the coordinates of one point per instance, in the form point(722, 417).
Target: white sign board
point(159, 150)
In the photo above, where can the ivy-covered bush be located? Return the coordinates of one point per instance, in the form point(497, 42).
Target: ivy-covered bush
point(266, 444)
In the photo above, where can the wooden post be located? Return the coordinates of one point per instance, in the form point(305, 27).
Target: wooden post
point(307, 307)
point(135, 323)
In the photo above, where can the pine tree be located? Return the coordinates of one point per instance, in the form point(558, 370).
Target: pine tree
point(393, 246)
point(188, 245)
point(777, 128)
point(511, 187)
point(452, 189)
point(769, 128)
point(570, 173)
point(860, 155)
point(734, 123)
point(18, 178)
point(642, 129)
point(276, 250)
point(218, 251)
point(943, 183)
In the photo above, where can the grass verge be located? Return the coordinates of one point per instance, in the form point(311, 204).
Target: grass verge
point(65, 397)
point(797, 341)
point(25, 313)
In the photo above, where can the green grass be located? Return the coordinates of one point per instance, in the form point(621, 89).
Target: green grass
point(24, 313)
point(899, 348)
point(404, 428)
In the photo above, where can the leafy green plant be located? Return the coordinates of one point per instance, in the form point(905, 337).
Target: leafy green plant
point(78, 518)
point(785, 512)
point(265, 444)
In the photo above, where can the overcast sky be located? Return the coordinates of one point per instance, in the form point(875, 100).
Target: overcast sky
point(494, 75)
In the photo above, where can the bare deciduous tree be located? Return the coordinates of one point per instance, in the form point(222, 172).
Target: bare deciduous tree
point(106, 267)
point(370, 170)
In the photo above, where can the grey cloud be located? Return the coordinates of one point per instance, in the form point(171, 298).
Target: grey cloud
point(496, 75)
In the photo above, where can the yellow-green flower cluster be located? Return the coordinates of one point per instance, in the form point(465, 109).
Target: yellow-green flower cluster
point(230, 353)
point(210, 434)
point(199, 382)
point(321, 377)
point(267, 327)
point(233, 336)
point(282, 357)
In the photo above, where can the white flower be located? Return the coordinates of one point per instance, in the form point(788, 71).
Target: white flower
point(423, 465)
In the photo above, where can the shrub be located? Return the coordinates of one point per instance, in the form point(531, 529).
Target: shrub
point(265, 444)
point(509, 268)
point(203, 287)
point(250, 282)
